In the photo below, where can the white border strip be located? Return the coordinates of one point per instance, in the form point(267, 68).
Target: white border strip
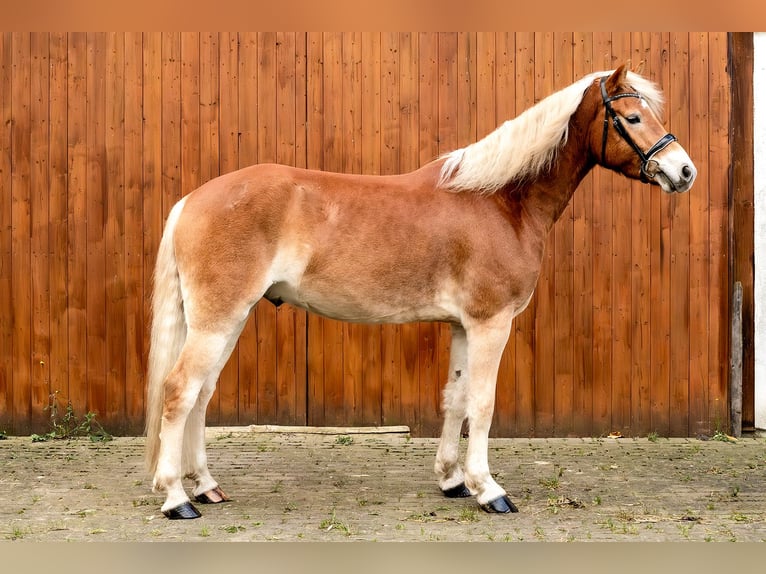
point(759, 180)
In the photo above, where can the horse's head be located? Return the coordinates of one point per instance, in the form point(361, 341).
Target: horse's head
point(628, 137)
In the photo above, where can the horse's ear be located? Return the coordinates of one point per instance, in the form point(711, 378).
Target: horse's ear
point(640, 68)
point(616, 79)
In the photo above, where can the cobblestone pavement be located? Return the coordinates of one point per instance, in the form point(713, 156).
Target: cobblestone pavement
point(380, 487)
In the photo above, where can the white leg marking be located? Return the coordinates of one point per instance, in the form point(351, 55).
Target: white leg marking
point(486, 342)
point(201, 361)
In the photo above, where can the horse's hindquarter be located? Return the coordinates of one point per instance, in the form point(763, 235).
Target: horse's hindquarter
point(360, 248)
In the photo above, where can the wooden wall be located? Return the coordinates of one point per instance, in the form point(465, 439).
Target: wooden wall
point(101, 133)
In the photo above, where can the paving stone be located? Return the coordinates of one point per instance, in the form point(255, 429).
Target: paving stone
point(320, 487)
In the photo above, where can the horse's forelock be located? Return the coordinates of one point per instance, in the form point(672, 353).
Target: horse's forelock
point(649, 91)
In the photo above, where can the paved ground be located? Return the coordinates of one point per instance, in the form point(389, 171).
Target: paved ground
point(380, 487)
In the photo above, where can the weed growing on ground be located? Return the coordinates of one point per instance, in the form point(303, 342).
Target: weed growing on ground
point(723, 437)
point(344, 440)
point(333, 523)
point(17, 533)
point(554, 482)
point(468, 515)
point(69, 425)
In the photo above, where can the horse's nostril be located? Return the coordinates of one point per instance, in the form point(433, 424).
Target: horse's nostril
point(686, 171)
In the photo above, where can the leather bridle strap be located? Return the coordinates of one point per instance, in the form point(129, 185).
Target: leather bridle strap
point(663, 142)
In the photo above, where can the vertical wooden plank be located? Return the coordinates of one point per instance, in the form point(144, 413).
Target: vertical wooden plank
point(227, 404)
point(116, 312)
point(301, 158)
point(545, 292)
point(428, 50)
point(448, 120)
point(602, 270)
point(209, 106)
point(504, 50)
point(96, 249)
point(350, 162)
point(21, 193)
point(315, 160)
point(153, 219)
point(678, 102)
point(660, 263)
point(333, 142)
point(190, 123)
point(563, 236)
point(699, 234)
point(76, 218)
point(582, 314)
point(250, 389)
point(6, 243)
point(391, 351)
point(488, 98)
point(171, 121)
point(265, 313)
point(286, 375)
point(57, 209)
point(169, 191)
point(409, 159)
point(525, 322)
point(623, 222)
point(372, 393)
point(466, 84)
point(718, 158)
point(137, 284)
point(39, 221)
point(640, 278)
point(741, 201)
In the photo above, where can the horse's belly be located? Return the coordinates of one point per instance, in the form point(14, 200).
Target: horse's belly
point(344, 307)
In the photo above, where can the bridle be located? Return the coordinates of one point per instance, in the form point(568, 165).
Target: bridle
point(663, 142)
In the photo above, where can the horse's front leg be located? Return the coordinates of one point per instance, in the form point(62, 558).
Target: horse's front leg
point(486, 341)
point(448, 470)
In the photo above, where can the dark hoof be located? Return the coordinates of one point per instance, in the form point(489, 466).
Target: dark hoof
point(502, 505)
point(185, 511)
point(218, 496)
point(459, 491)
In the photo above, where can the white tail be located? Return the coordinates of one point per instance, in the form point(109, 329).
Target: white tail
point(168, 334)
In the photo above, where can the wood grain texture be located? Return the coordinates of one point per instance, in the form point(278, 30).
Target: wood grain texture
point(628, 329)
point(6, 244)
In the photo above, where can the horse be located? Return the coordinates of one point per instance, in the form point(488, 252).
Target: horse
point(459, 240)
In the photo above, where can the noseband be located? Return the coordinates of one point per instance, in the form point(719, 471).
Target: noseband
point(663, 142)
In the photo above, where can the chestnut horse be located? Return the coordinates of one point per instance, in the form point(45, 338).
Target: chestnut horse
point(459, 240)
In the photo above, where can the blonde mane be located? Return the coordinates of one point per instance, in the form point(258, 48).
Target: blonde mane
point(525, 146)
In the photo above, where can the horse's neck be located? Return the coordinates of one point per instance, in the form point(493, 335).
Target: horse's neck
point(546, 197)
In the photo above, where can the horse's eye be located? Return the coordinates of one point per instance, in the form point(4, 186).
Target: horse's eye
point(634, 119)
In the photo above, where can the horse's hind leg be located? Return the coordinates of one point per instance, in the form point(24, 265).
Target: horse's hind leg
point(187, 387)
point(206, 489)
point(447, 468)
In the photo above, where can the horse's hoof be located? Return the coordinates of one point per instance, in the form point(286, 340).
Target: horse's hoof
point(459, 491)
point(185, 511)
point(214, 496)
point(502, 505)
